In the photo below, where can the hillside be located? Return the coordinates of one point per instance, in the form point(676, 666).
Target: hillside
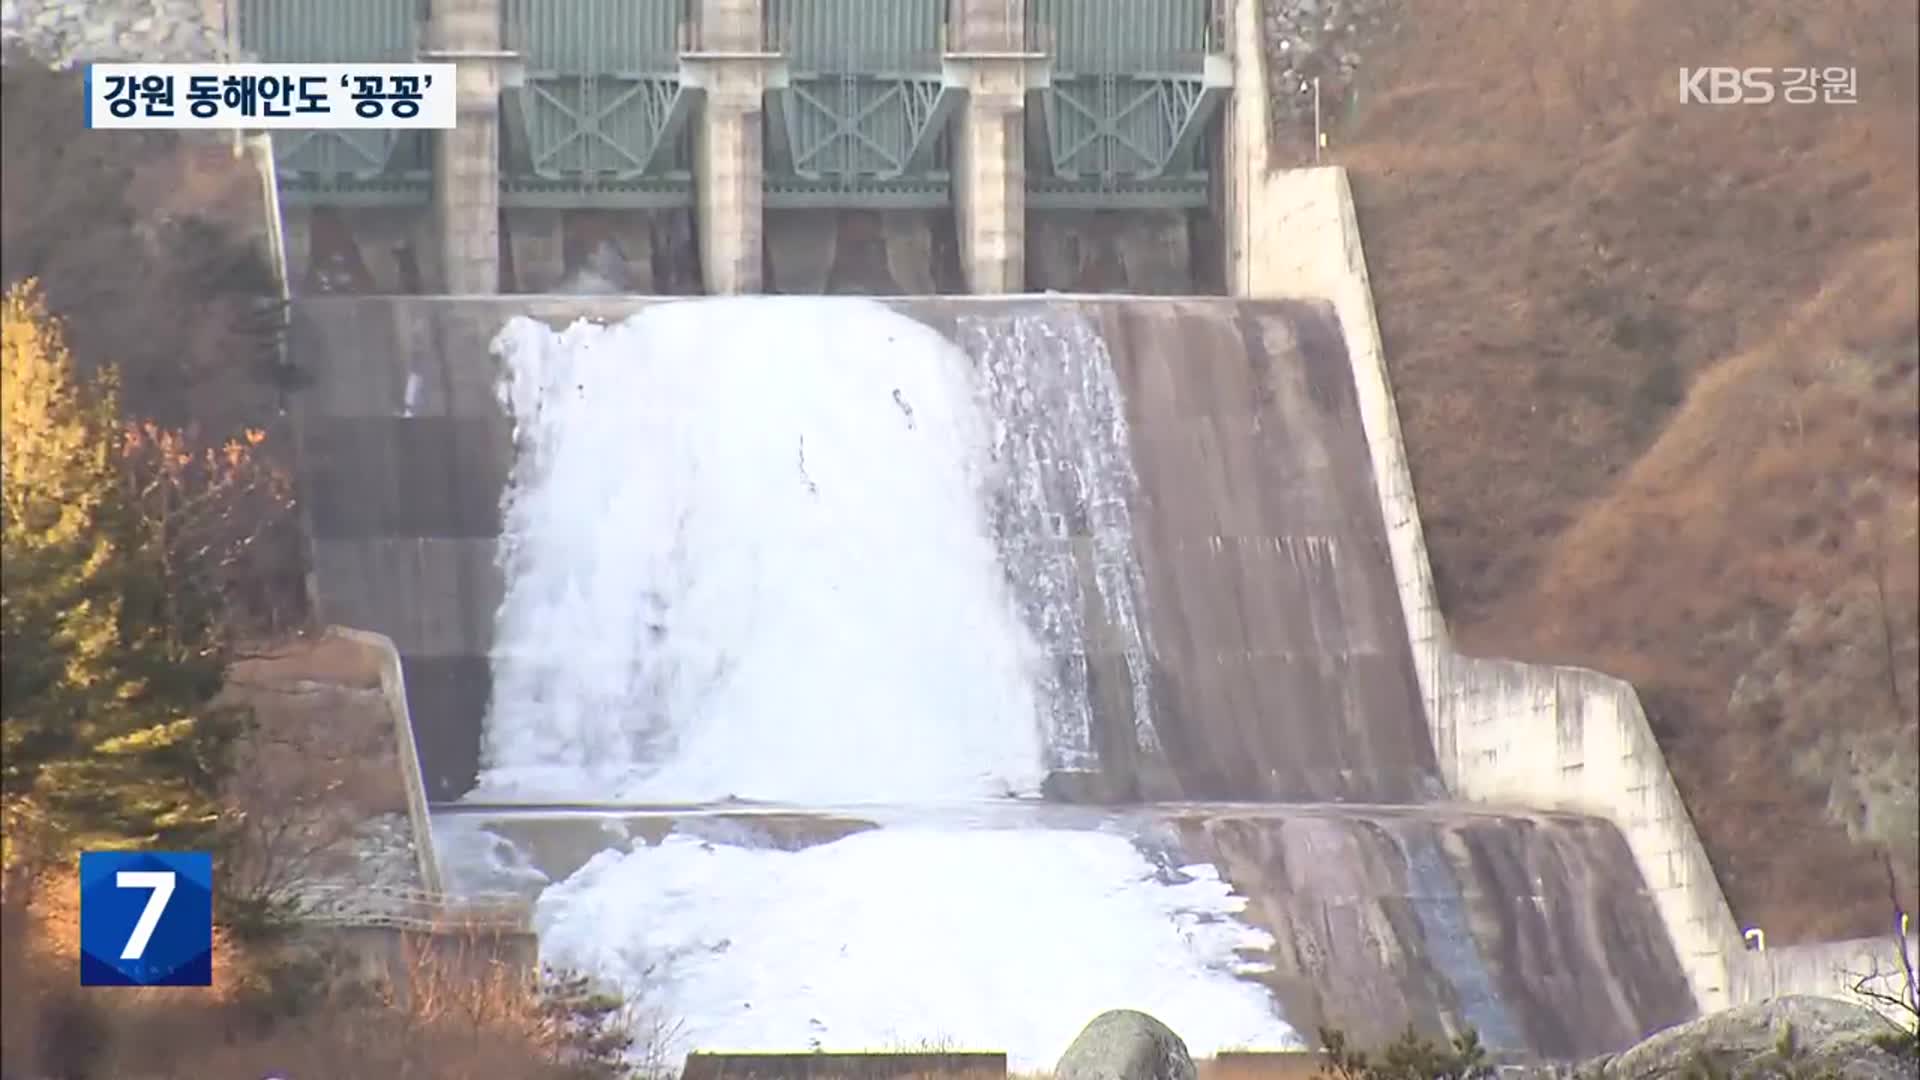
point(1656, 364)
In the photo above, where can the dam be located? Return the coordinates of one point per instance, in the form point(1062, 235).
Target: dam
point(840, 585)
point(745, 146)
point(1047, 630)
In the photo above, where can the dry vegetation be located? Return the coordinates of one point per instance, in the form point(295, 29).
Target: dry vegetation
point(1684, 338)
point(319, 762)
point(145, 243)
point(145, 247)
point(350, 1002)
point(444, 1007)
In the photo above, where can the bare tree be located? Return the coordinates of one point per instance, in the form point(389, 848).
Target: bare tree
point(145, 242)
point(1894, 993)
point(297, 796)
point(223, 516)
point(1901, 837)
point(146, 246)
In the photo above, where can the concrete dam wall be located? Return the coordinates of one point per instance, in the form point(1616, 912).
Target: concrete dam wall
point(1242, 644)
point(1524, 927)
point(1280, 668)
point(408, 451)
point(1527, 926)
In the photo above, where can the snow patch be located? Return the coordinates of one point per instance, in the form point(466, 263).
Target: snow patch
point(980, 939)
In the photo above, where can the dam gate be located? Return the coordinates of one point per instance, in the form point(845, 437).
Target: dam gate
point(685, 122)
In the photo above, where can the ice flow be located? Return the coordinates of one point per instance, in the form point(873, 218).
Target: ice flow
point(749, 551)
point(747, 554)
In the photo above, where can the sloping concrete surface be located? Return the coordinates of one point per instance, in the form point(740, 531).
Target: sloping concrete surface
point(1529, 927)
point(1282, 669)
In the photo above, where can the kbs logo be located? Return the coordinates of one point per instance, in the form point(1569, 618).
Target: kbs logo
point(1761, 86)
point(146, 918)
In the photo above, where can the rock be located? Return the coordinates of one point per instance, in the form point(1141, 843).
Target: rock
point(64, 32)
point(1830, 1037)
point(1316, 39)
point(1125, 1045)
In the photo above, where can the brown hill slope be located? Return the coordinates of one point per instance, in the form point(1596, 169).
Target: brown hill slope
point(1656, 364)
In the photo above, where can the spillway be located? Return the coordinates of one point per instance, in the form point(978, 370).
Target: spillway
point(911, 665)
point(810, 553)
point(747, 555)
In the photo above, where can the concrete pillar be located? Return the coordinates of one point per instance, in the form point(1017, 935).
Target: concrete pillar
point(217, 22)
point(729, 27)
point(732, 68)
point(991, 62)
point(466, 197)
point(1244, 149)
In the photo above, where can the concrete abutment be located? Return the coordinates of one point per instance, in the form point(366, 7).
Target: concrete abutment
point(732, 71)
point(466, 158)
point(1505, 733)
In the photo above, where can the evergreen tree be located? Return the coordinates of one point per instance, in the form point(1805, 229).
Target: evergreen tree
point(111, 656)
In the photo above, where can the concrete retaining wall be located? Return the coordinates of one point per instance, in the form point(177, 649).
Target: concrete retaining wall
point(1504, 732)
point(393, 687)
point(1829, 968)
point(1566, 738)
point(1277, 1065)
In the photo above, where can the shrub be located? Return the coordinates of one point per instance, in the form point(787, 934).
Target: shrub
point(1409, 1057)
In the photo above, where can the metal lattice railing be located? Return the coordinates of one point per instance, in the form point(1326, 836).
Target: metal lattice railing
point(865, 110)
point(411, 909)
point(1134, 87)
point(337, 31)
point(601, 102)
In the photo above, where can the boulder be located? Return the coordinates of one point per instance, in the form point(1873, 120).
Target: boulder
point(1829, 1037)
point(1125, 1045)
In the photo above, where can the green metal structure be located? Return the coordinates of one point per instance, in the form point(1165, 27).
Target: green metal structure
point(341, 168)
point(863, 120)
point(1135, 87)
point(601, 117)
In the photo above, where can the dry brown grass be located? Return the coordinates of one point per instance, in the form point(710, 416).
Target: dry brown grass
point(352, 1003)
point(460, 1013)
point(1683, 339)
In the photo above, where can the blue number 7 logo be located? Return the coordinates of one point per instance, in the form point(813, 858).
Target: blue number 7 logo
point(146, 918)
